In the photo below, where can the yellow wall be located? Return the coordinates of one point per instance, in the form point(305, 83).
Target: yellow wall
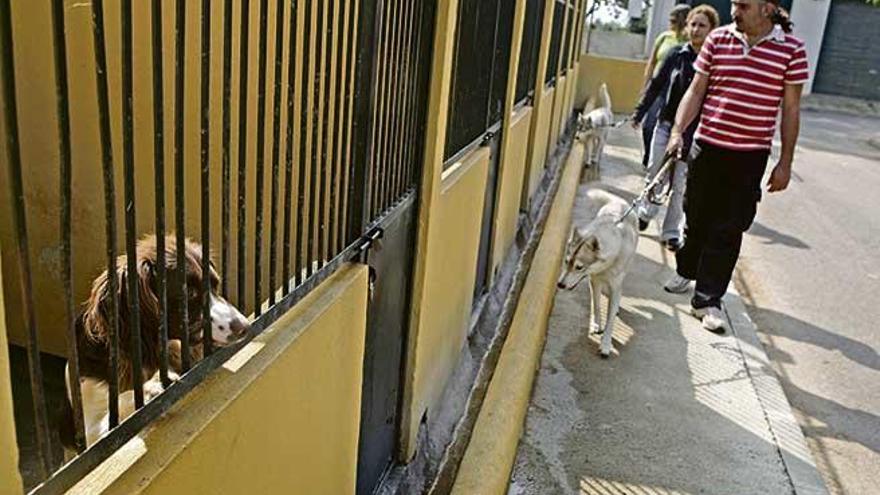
point(623, 77)
point(282, 416)
point(541, 140)
point(10, 479)
point(510, 184)
point(39, 148)
point(558, 111)
point(450, 271)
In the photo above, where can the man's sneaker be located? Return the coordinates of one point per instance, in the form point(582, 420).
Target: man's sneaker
point(712, 318)
point(677, 284)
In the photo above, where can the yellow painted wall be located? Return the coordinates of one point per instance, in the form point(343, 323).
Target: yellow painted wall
point(10, 479)
point(510, 184)
point(558, 110)
point(282, 416)
point(450, 271)
point(541, 136)
point(39, 148)
point(623, 77)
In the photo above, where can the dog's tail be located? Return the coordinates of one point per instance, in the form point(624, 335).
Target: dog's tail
point(604, 96)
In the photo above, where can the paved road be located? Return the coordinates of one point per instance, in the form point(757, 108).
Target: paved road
point(810, 271)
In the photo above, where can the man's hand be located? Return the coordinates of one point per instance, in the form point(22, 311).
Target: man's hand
point(675, 144)
point(780, 176)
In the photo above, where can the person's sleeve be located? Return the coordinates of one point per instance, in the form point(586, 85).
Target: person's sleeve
point(797, 71)
point(655, 86)
point(703, 63)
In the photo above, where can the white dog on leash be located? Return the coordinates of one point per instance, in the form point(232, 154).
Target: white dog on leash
point(602, 250)
point(593, 128)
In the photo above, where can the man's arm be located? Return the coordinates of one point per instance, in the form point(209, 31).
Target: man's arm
point(688, 110)
point(790, 127)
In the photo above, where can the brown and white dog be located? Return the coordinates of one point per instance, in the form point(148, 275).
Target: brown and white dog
point(228, 325)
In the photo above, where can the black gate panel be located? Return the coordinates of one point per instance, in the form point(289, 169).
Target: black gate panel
point(845, 68)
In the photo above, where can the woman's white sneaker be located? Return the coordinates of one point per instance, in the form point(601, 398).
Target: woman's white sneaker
point(677, 284)
point(711, 317)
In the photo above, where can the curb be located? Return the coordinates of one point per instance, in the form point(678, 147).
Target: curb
point(790, 441)
point(489, 458)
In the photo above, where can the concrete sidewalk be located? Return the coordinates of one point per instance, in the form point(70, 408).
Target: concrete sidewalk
point(676, 409)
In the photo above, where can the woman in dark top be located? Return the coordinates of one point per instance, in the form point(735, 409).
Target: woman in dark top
point(669, 85)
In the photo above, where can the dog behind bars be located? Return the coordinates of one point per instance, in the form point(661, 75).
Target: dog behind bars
point(228, 325)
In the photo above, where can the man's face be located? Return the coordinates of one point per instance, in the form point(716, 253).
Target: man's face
point(750, 14)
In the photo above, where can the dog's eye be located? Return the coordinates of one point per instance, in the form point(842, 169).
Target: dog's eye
point(578, 266)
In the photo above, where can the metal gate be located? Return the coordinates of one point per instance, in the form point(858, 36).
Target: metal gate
point(844, 67)
point(335, 118)
point(397, 37)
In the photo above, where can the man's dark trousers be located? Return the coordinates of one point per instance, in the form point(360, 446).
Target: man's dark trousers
point(723, 189)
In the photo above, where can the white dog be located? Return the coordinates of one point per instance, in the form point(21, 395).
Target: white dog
point(593, 128)
point(602, 250)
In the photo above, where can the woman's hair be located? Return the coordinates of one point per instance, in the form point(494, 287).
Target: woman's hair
point(708, 11)
point(678, 16)
point(780, 16)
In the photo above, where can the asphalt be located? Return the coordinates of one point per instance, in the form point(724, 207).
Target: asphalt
point(676, 409)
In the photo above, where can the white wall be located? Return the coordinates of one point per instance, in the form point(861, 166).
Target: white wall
point(658, 22)
point(809, 18)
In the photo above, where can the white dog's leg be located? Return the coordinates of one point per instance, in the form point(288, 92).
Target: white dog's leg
point(613, 306)
point(595, 293)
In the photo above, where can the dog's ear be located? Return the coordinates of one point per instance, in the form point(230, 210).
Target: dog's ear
point(593, 244)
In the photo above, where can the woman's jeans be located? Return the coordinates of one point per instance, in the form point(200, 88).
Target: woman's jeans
point(648, 123)
point(673, 223)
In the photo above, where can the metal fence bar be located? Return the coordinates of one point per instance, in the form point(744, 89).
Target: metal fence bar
point(330, 136)
point(321, 127)
point(309, 30)
point(377, 164)
point(134, 318)
point(205, 80)
point(242, 152)
point(314, 169)
point(66, 193)
point(21, 235)
point(292, 107)
point(390, 158)
point(406, 62)
point(159, 184)
point(411, 112)
point(261, 152)
point(347, 121)
point(109, 207)
point(226, 213)
point(179, 179)
point(340, 164)
point(276, 136)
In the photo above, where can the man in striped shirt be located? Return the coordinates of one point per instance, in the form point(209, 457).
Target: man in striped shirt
point(745, 71)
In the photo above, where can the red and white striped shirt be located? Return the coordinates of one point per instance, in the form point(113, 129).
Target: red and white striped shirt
point(746, 85)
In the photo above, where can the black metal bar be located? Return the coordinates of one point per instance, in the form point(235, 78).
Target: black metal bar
point(315, 166)
point(404, 81)
point(380, 133)
point(180, 177)
point(369, 22)
point(109, 208)
point(301, 225)
point(242, 151)
point(205, 80)
point(66, 174)
point(261, 153)
point(134, 317)
point(339, 98)
point(388, 159)
point(288, 162)
point(276, 136)
point(326, 113)
point(159, 183)
point(352, 64)
point(415, 111)
point(41, 417)
point(226, 193)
